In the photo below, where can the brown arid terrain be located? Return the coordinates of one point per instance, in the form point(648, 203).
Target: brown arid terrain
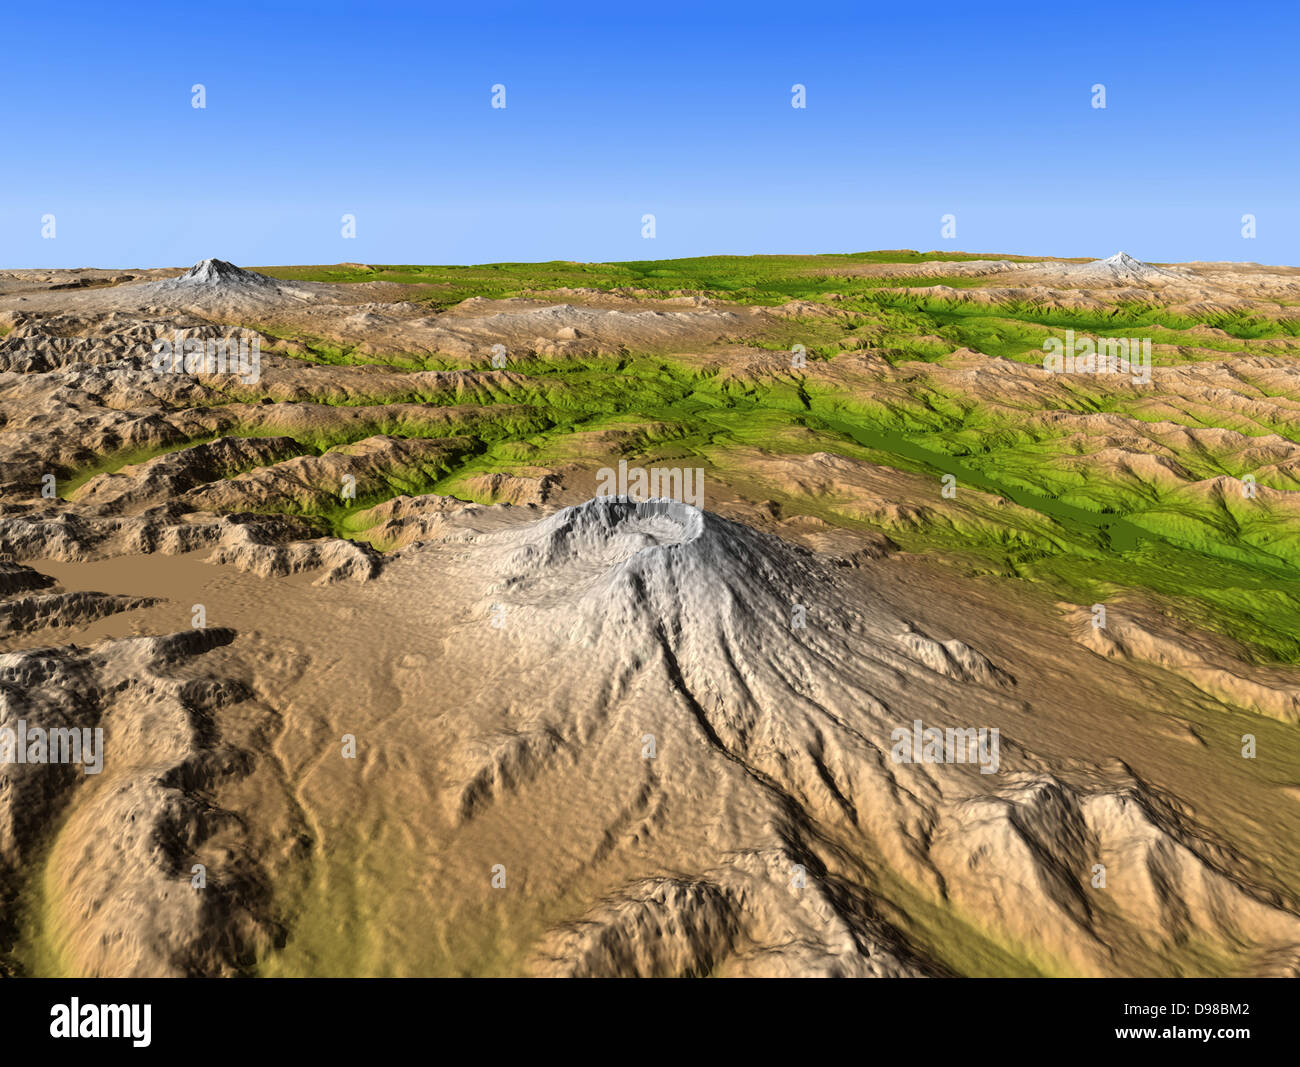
point(390, 684)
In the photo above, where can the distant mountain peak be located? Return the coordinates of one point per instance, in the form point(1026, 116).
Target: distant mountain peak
point(223, 273)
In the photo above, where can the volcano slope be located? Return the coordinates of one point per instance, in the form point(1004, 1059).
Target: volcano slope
point(954, 667)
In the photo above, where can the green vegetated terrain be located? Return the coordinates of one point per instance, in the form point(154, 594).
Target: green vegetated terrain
point(763, 280)
point(1091, 522)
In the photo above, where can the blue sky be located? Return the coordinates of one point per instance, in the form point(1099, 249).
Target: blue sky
point(613, 111)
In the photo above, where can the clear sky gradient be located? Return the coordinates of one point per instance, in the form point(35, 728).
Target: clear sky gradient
point(382, 111)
